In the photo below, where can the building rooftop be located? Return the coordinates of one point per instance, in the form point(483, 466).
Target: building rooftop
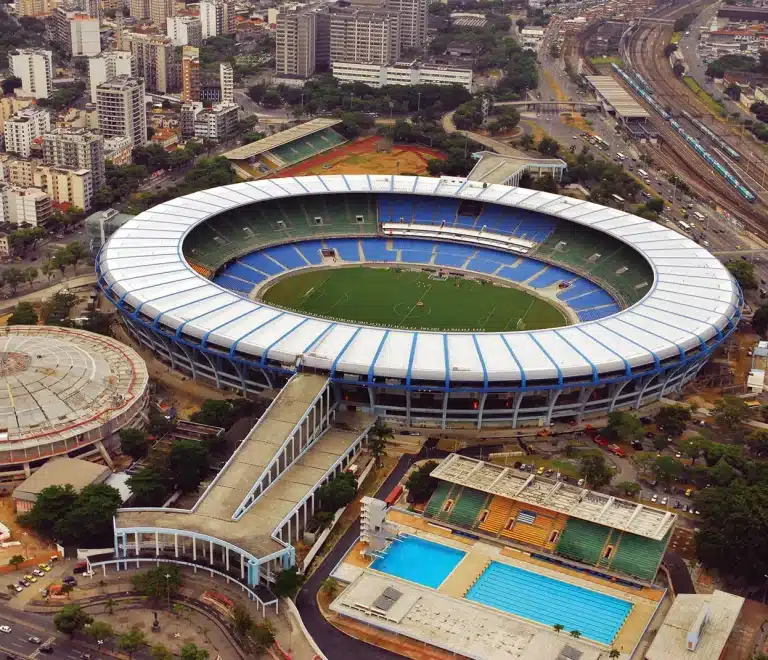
point(279, 139)
point(557, 496)
point(710, 618)
point(494, 168)
point(611, 91)
point(59, 472)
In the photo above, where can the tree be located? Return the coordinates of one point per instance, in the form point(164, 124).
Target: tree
point(669, 49)
point(421, 484)
point(692, 447)
point(149, 486)
point(722, 473)
point(614, 653)
point(380, 434)
point(630, 488)
point(262, 636)
point(656, 204)
point(188, 464)
point(160, 652)
point(672, 419)
point(71, 619)
point(732, 529)
point(48, 269)
point(132, 641)
point(30, 274)
point(575, 634)
point(667, 469)
point(192, 651)
point(10, 84)
point(730, 413)
point(134, 442)
point(548, 146)
point(242, 620)
point(218, 412)
point(559, 627)
point(744, 273)
point(288, 582)
point(733, 92)
point(77, 252)
point(623, 426)
point(100, 631)
point(757, 443)
point(13, 277)
point(337, 492)
point(330, 587)
point(89, 520)
point(51, 505)
point(16, 561)
point(526, 141)
point(760, 320)
point(595, 470)
point(155, 585)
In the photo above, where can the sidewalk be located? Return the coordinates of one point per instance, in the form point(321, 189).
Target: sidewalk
point(34, 296)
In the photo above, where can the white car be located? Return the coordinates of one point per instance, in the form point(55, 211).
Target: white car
point(655, 498)
point(5, 629)
point(664, 501)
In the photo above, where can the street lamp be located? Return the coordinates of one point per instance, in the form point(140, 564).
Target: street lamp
point(168, 588)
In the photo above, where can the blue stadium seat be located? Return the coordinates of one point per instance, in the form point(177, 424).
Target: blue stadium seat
point(376, 250)
point(232, 284)
point(286, 255)
point(311, 251)
point(549, 277)
point(594, 299)
point(483, 265)
point(525, 270)
point(453, 260)
point(244, 273)
point(598, 313)
point(258, 260)
point(416, 256)
point(579, 287)
point(346, 248)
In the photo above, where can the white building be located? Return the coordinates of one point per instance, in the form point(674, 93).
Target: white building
point(216, 123)
point(108, 65)
point(22, 129)
point(227, 81)
point(531, 37)
point(184, 30)
point(21, 205)
point(117, 150)
point(122, 109)
point(217, 17)
point(35, 69)
point(188, 117)
point(76, 149)
point(86, 35)
point(401, 74)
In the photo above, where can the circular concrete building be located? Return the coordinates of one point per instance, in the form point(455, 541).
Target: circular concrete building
point(64, 392)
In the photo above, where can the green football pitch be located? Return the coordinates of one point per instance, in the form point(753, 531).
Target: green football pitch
point(407, 299)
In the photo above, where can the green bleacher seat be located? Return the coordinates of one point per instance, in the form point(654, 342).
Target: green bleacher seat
point(467, 507)
point(582, 540)
point(638, 555)
point(435, 504)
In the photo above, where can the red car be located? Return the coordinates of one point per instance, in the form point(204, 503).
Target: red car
point(615, 449)
point(600, 440)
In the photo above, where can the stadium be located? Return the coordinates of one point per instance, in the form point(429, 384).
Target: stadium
point(65, 392)
point(434, 301)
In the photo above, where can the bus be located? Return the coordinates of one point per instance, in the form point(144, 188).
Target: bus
point(684, 225)
point(620, 155)
point(620, 200)
point(643, 174)
point(698, 215)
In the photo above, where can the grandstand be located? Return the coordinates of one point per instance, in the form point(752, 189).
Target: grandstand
point(276, 152)
point(550, 517)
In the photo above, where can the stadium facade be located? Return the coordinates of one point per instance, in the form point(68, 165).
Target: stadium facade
point(649, 305)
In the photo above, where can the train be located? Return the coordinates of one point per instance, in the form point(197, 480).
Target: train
point(715, 164)
point(732, 153)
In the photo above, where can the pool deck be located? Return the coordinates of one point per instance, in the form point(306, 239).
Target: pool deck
point(480, 554)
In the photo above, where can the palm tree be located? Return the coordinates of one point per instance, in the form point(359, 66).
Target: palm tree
point(614, 653)
point(378, 437)
point(109, 606)
point(575, 634)
point(558, 627)
point(330, 587)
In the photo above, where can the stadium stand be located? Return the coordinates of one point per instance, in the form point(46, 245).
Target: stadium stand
point(304, 148)
point(468, 505)
point(637, 555)
point(583, 541)
point(435, 504)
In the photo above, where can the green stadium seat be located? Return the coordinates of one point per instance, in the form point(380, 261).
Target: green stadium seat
point(467, 508)
point(638, 555)
point(583, 541)
point(435, 504)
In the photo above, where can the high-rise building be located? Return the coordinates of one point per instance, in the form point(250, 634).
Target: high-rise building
point(364, 36)
point(139, 9)
point(85, 35)
point(188, 116)
point(36, 8)
point(23, 128)
point(108, 65)
point(75, 149)
point(190, 74)
point(302, 41)
point(161, 10)
point(227, 80)
point(413, 18)
point(35, 69)
point(184, 30)
point(217, 17)
point(20, 205)
point(218, 122)
point(122, 110)
point(154, 60)
point(9, 106)
point(66, 186)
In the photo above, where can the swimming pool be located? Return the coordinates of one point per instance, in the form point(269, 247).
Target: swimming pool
point(546, 600)
point(420, 561)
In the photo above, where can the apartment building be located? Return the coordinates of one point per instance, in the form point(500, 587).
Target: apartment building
point(377, 75)
point(216, 123)
point(302, 41)
point(85, 35)
point(65, 186)
point(360, 35)
point(217, 17)
point(122, 109)
point(117, 150)
point(75, 149)
point(413, 18)
point(227, 81)
point(190, 74)
point(184, 30)
point(20, 205)
point(161, 10)
point(187, 117)
point(23, 128)
point(35, 8)
point(139, 9)
point(34, 67)
point(154, 61)
point(108, 65)
point(9, 106)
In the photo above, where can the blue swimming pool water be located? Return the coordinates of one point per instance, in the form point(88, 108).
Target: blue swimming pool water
point(420, 561)
point(549, 601)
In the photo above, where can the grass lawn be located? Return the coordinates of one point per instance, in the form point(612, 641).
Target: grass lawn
point(613, 59)
point(703, 96)
point(676, 37)
point(405, 299)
